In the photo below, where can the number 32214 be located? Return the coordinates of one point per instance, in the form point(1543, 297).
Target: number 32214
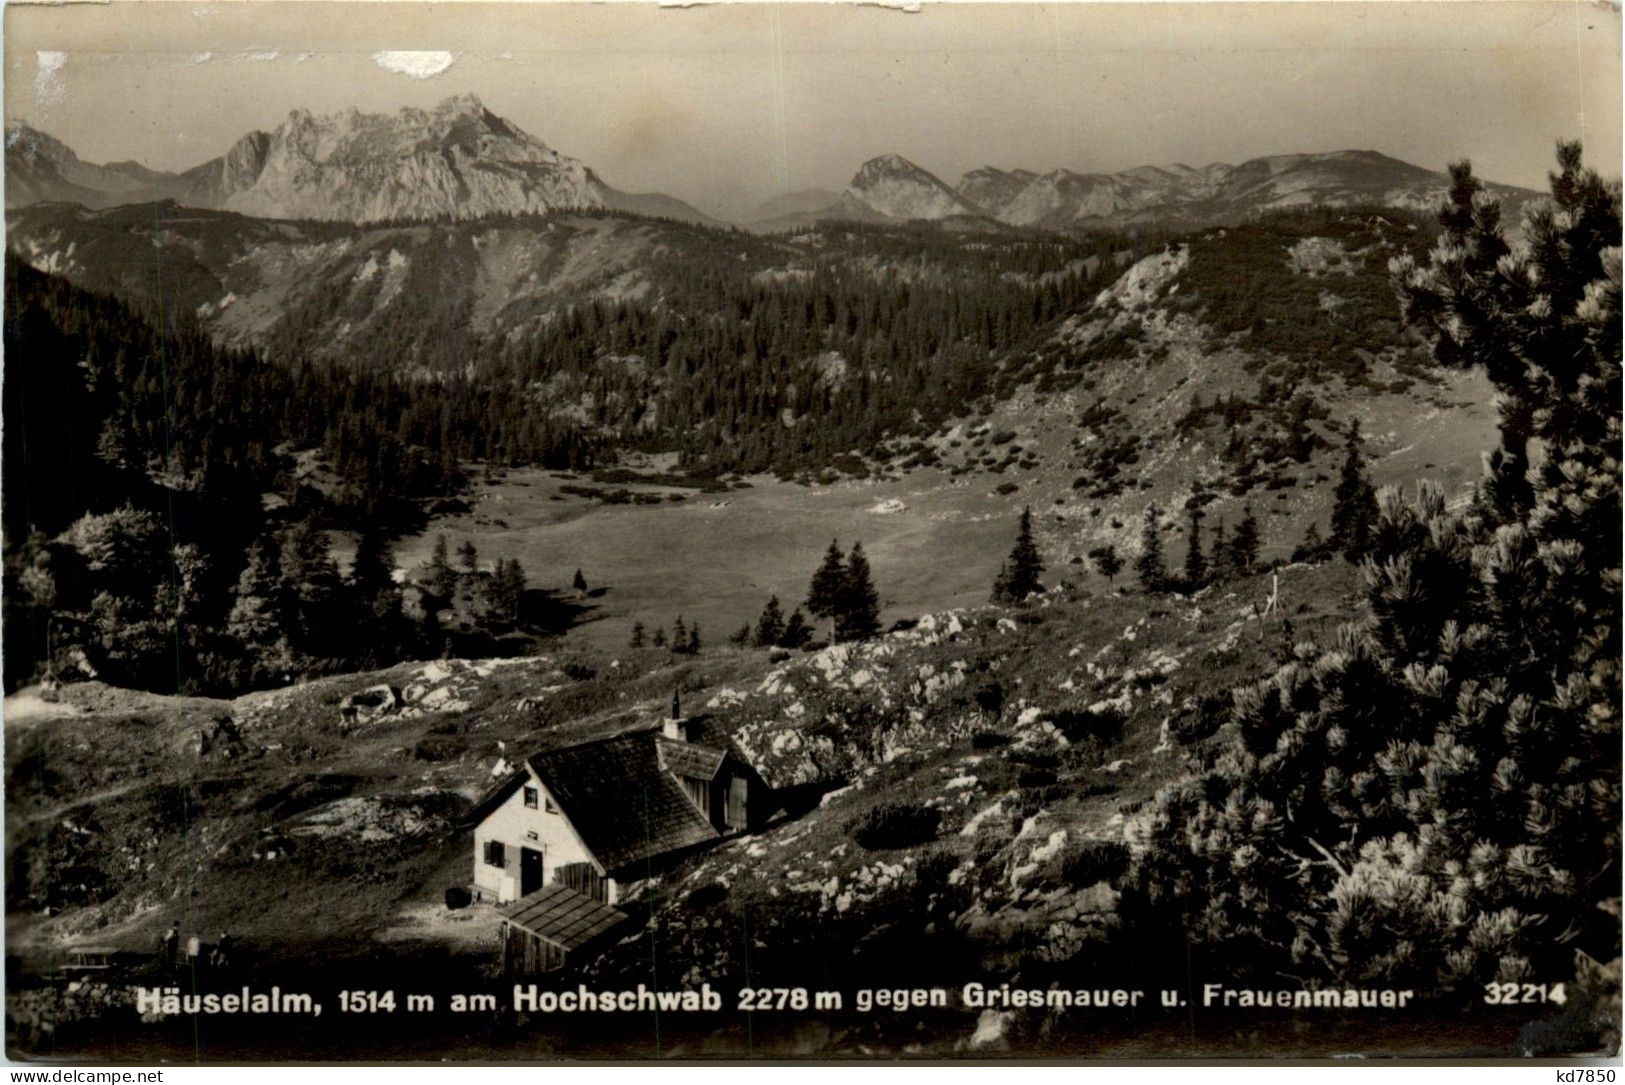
point(1524, 994)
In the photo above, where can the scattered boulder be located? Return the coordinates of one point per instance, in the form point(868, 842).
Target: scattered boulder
point(218, 738)
point(369, 704)
point(991, 1032)
point(443, 700)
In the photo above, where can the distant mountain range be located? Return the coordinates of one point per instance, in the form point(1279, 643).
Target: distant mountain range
point(458, 161)
point(891, 188)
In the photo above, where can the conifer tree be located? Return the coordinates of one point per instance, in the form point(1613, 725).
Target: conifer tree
point(503, 589)
point(1244, 543)
point(372, 573)
point(1354, 503)
point(514, 581)
point(312, 595)
point(796, 631)
point(113, 445)
point(824, 594)
point(257, 620)
point(1148, 566)
point(637, 639)
point(468, 557)
point(1018, 577)
point(693, 645)
point(432, 640)
point(376, 600)
point(679, 635)
point(660, 638)
point(1195, 560)
point(857, 605)
point(1218, 562)
point(439, 577)
point(579, 583)
point(1107, 561)
point(770, 626)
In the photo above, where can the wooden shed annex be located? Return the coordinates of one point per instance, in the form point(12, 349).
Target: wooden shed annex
point(542, 930)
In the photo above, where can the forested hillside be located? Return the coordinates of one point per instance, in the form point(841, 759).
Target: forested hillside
point(743, 353)
point(164, 527)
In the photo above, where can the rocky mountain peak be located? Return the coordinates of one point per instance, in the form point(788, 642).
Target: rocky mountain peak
point(467, 104)
point(886, 166)
point(27, 141)
point(456, 160)
point(897, 188)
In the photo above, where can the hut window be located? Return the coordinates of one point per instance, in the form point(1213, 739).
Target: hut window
point(495, 853)
point(551, 809)
point(699, 791)
point(532, 796)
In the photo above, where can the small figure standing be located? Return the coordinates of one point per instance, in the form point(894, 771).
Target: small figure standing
point(194, 950)
point(221, 954)
point(168, 943)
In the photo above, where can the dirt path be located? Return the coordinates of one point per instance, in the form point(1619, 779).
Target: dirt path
point(87, 798)
point(28, 707)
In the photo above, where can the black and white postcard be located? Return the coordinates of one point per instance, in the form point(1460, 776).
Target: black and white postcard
point(542, 532)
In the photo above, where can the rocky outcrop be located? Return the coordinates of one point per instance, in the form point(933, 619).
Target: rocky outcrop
point(825, 718)
point(219, 739)
point(368, 704)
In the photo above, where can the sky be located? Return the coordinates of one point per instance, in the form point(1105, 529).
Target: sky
point(726, 105)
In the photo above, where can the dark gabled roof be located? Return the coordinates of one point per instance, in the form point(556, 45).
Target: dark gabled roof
point(562, 916)
point(620, 802)
point(687, 759)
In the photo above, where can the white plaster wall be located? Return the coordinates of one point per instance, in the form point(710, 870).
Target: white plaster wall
point(511, 823)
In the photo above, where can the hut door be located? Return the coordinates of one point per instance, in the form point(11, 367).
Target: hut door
point(737, 790)
point(530, 871)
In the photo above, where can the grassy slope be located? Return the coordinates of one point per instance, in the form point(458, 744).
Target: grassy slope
point(121, 789)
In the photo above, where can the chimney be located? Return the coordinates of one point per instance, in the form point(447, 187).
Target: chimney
point(675, 727)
